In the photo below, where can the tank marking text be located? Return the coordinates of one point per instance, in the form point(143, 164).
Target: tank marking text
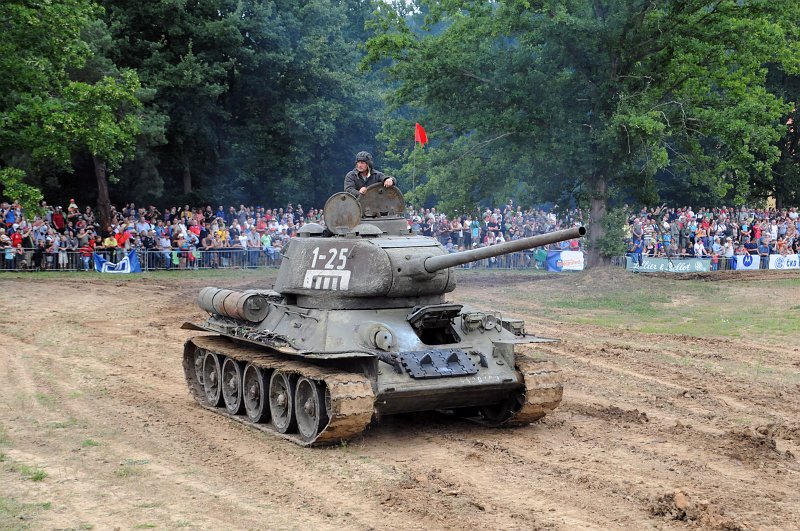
point(333, 258)
point(327, 279)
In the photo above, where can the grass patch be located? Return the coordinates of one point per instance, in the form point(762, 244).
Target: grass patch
point(149, 505)
point(14, 513)
point(658, 305)
point(32, 473)
point(4, 440)
point(88, 443)
point(46, 400)
point(145, 526)
point(127, 472)
point(62, 424)
point(130, 468)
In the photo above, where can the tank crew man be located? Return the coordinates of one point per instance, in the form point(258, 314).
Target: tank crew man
point(363, 175)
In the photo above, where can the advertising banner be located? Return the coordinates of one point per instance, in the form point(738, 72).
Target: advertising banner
point(669, 265)
point(779, 261)
point(746, 261)
point(565, 261)
point(129, 264)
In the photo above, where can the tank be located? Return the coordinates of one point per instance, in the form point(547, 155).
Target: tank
point(357, 326)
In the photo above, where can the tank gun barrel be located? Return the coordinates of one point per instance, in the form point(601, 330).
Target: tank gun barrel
point(437, 263)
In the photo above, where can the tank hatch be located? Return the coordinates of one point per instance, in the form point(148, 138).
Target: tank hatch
point(342, 213)
point(311, 230)
point(382, 202)
point(366, 229)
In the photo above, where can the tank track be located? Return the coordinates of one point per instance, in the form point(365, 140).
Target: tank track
point(544, 389)
point(351, 395)
point(541, 394)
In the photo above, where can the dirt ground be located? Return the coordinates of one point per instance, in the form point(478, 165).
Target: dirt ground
point(655, 431)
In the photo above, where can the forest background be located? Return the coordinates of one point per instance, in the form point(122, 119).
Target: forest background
point(587, 103)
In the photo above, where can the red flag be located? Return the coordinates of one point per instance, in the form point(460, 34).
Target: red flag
point(420, 135)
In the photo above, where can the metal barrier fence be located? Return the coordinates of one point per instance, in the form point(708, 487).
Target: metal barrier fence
point(231, 258)
point(149, 260)
point(518, 260)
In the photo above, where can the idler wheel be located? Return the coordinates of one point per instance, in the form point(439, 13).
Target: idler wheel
point(212, 379)
point(499, 414)
point(328, 402)
point(281, 401)
point(199, 356)
point(310, 408)
point(254, 393)
point(232, 386)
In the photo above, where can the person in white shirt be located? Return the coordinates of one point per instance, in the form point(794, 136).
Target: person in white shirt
point(699, 248)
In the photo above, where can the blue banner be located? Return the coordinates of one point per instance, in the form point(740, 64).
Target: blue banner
point(129, 264)
point(553, 261)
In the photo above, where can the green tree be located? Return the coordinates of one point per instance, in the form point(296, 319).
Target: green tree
point(58, 107)
point(301, 107)
point(261, 99)
point(186, 53)
point(784, 184)
point(39, 45)
point(98, 118)
point(585, 100)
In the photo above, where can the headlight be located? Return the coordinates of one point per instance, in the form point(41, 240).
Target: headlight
point(384, 339)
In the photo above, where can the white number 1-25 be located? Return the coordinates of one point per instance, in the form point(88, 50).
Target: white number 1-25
point(333, 253)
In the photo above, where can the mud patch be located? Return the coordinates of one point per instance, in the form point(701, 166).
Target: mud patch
point(426, 494)
point(780, 431)
point(614, 414)
point(747, 446)
point(679, 506)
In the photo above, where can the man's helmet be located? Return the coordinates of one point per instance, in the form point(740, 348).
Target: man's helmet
point(363, 156)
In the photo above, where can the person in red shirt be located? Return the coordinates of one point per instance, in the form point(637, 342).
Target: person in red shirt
point(87, 251)
point(16, 239)
point(59, 221)
point(122, 236)
point(194, 228)
point(261, 226)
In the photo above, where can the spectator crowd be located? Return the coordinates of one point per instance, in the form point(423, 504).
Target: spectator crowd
point(192, 237)
point(719, 234)
point(175, 237)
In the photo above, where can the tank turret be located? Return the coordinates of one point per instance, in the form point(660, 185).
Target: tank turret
point(357, 326)
point(369, 253)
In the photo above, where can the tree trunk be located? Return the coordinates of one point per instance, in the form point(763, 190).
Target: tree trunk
point(598, 206)
point(103, 201)
point(318, 190)
point(187, 178)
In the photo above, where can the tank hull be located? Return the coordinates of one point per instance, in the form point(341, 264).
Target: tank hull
point(463, 368)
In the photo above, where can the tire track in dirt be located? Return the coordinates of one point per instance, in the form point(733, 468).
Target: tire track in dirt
point(627, 448)
point(151, 400)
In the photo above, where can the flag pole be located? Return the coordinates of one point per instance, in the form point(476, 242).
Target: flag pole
point(421, 137)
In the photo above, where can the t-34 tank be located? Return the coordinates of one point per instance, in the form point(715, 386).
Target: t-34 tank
point(357, 326)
